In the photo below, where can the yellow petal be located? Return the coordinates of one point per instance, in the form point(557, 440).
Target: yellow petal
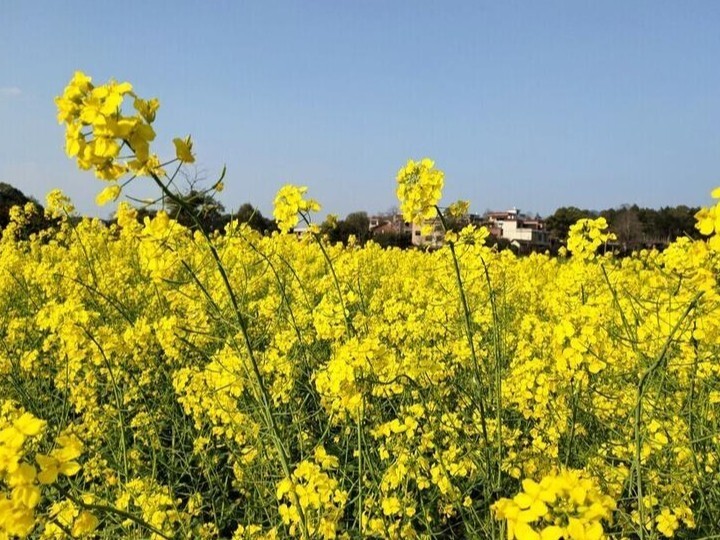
point(523, 531)
point(183, 150)
point(48, 476)
point(24, 474)
point(26, 495)
point(84, 524)
point(12, 437)
point(552, 532)
point(110, 193)
point(28, 425)
point(70, 468)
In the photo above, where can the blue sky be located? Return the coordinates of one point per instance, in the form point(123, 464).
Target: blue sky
point(528, 104)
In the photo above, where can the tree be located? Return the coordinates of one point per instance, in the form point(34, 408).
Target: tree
point(656, 226)
point(393, 239)
point(11, 196)
point(672, 222)
point(199, 203)
point(247, 213)
point(558, 225)
point(356, 224)
point(626, 225)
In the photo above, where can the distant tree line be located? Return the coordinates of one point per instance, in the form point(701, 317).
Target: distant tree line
point(211, 214)
point(634, 226)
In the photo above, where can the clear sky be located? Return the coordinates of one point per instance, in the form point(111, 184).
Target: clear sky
point(529, 104)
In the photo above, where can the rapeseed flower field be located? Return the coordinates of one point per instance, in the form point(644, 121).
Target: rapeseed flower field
point(162, 382)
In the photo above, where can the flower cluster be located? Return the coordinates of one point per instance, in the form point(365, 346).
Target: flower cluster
point(708, 221)
point(419, 188)
point(17, 512)
point(61, 459)
point(586, 236)
point(470, 235)
point(289, 202)
point(563, 505)
point(102, 138)
point(320, 500)
point(97, 130)
point(20, 434)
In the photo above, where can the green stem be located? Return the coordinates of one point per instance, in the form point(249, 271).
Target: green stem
point(497, 345)
point(642, 387)
point(336, 281)
point(476, 365)
point(121, 513)
point(118, 404)
point(264, 397)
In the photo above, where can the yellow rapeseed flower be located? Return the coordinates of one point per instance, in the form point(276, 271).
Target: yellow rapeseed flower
point(288, 203)
point(183, 150)
point(419, 189)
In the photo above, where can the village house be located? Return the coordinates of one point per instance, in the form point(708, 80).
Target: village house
point(389, 223)
point(520, 230)
point(433, 237)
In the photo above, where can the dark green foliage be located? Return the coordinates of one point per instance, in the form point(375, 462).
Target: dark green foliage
point(11, 196)
point(392, 239)
point(356, 224)
point(559, 223)
point(637, 227)
point(247, 213)
point(200, 204)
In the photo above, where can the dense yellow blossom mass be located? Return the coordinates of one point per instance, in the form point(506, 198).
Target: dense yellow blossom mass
point(419, 188)
point(156, 382)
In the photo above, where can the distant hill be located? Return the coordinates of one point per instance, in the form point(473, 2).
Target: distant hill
point(11, 196)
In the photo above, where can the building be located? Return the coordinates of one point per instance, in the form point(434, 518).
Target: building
point(434, 236)
point(301, 231)
point(517, 228)
point(520, 230)
point(389, 223)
